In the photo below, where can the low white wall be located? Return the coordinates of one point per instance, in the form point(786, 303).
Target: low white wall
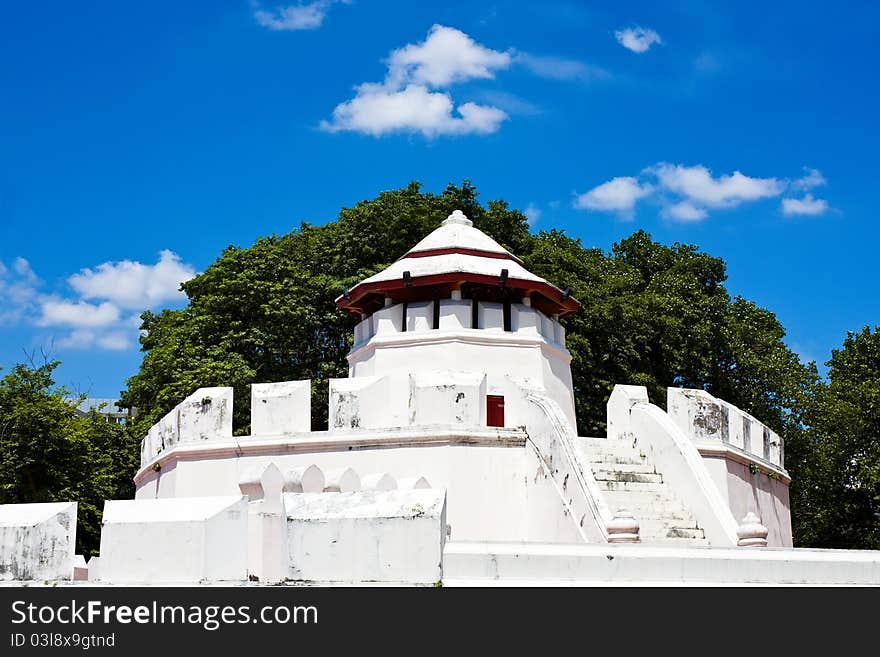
point(745, 491)
point(368, 536)
point(496, 489)
point(532, 564)
point(180, 540)
point(37, 541)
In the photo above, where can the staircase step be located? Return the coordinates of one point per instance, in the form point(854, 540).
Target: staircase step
point(603, 446)
point(661, 526)
point(634, 486)
point(636, 468)
point(616, 459)
point(633, 477)
point(645, 505)
point(681, 532)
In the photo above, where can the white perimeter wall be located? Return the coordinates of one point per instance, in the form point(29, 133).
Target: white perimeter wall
point(493, 493)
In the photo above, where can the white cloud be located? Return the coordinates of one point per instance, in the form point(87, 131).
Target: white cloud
point(105, 312)
point(804, 206)
point(414, 96)
point(697, 185)
point(309, 16)
point(88, 339)
point(533, 213)
point(134, 285)
point(409, 99)
point(617, 195)
point(445, 57)
point(684, 212)
point(688, 193)
point(18, 291)
point(637, 39)
point(560, 68)
point(812, 178)
point(60, 312)
point(377, 111)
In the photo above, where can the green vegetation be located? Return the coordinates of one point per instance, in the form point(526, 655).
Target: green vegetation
point(50, 454)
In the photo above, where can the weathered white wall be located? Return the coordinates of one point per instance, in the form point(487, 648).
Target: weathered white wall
point(493, 492)
point(204, 415)
point(447, 397)
point(279, 408)
point(37, 541)
point(197, 539)
point(731, 441)
point(756, 492)
point(705, 418)
point(366, 402)
point(368, 536)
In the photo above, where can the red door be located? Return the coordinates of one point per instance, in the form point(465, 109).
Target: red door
point(495, 410)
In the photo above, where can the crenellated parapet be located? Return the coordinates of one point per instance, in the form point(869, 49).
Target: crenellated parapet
point(707, 419)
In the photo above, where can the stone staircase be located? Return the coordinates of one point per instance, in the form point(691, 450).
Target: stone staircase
point(630, 482)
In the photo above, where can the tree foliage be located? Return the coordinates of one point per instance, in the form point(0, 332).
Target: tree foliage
point(838, 471)
point(49, 454)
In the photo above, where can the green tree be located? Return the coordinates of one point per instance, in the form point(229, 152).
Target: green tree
point(838, 495)
point(49, 454)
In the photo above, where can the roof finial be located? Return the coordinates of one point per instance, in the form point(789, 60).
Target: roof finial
point(457, 217)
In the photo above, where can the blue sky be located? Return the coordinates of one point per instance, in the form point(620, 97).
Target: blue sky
point(137, 140)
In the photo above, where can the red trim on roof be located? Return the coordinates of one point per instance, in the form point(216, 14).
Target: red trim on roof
point(551, 292)
point(463, 250)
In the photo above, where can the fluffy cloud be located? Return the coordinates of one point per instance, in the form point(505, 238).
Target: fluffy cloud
point(377, 111)
point(309, 16)
point(104, 313)
point(445, 57)
point(617, 195)
point(637, 39)
point(804, 206)
point(410, 99)
point(414, 96)
point(699, 186)
point(688, 193)
point(58, 312)
point(684, 212)
point(134, 285)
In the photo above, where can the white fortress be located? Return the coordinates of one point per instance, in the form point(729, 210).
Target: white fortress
point(452, 456)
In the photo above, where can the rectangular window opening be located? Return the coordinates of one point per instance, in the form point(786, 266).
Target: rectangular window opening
point(436, 314)
point(475, 313)
point(507, 321)
point(403, 316)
